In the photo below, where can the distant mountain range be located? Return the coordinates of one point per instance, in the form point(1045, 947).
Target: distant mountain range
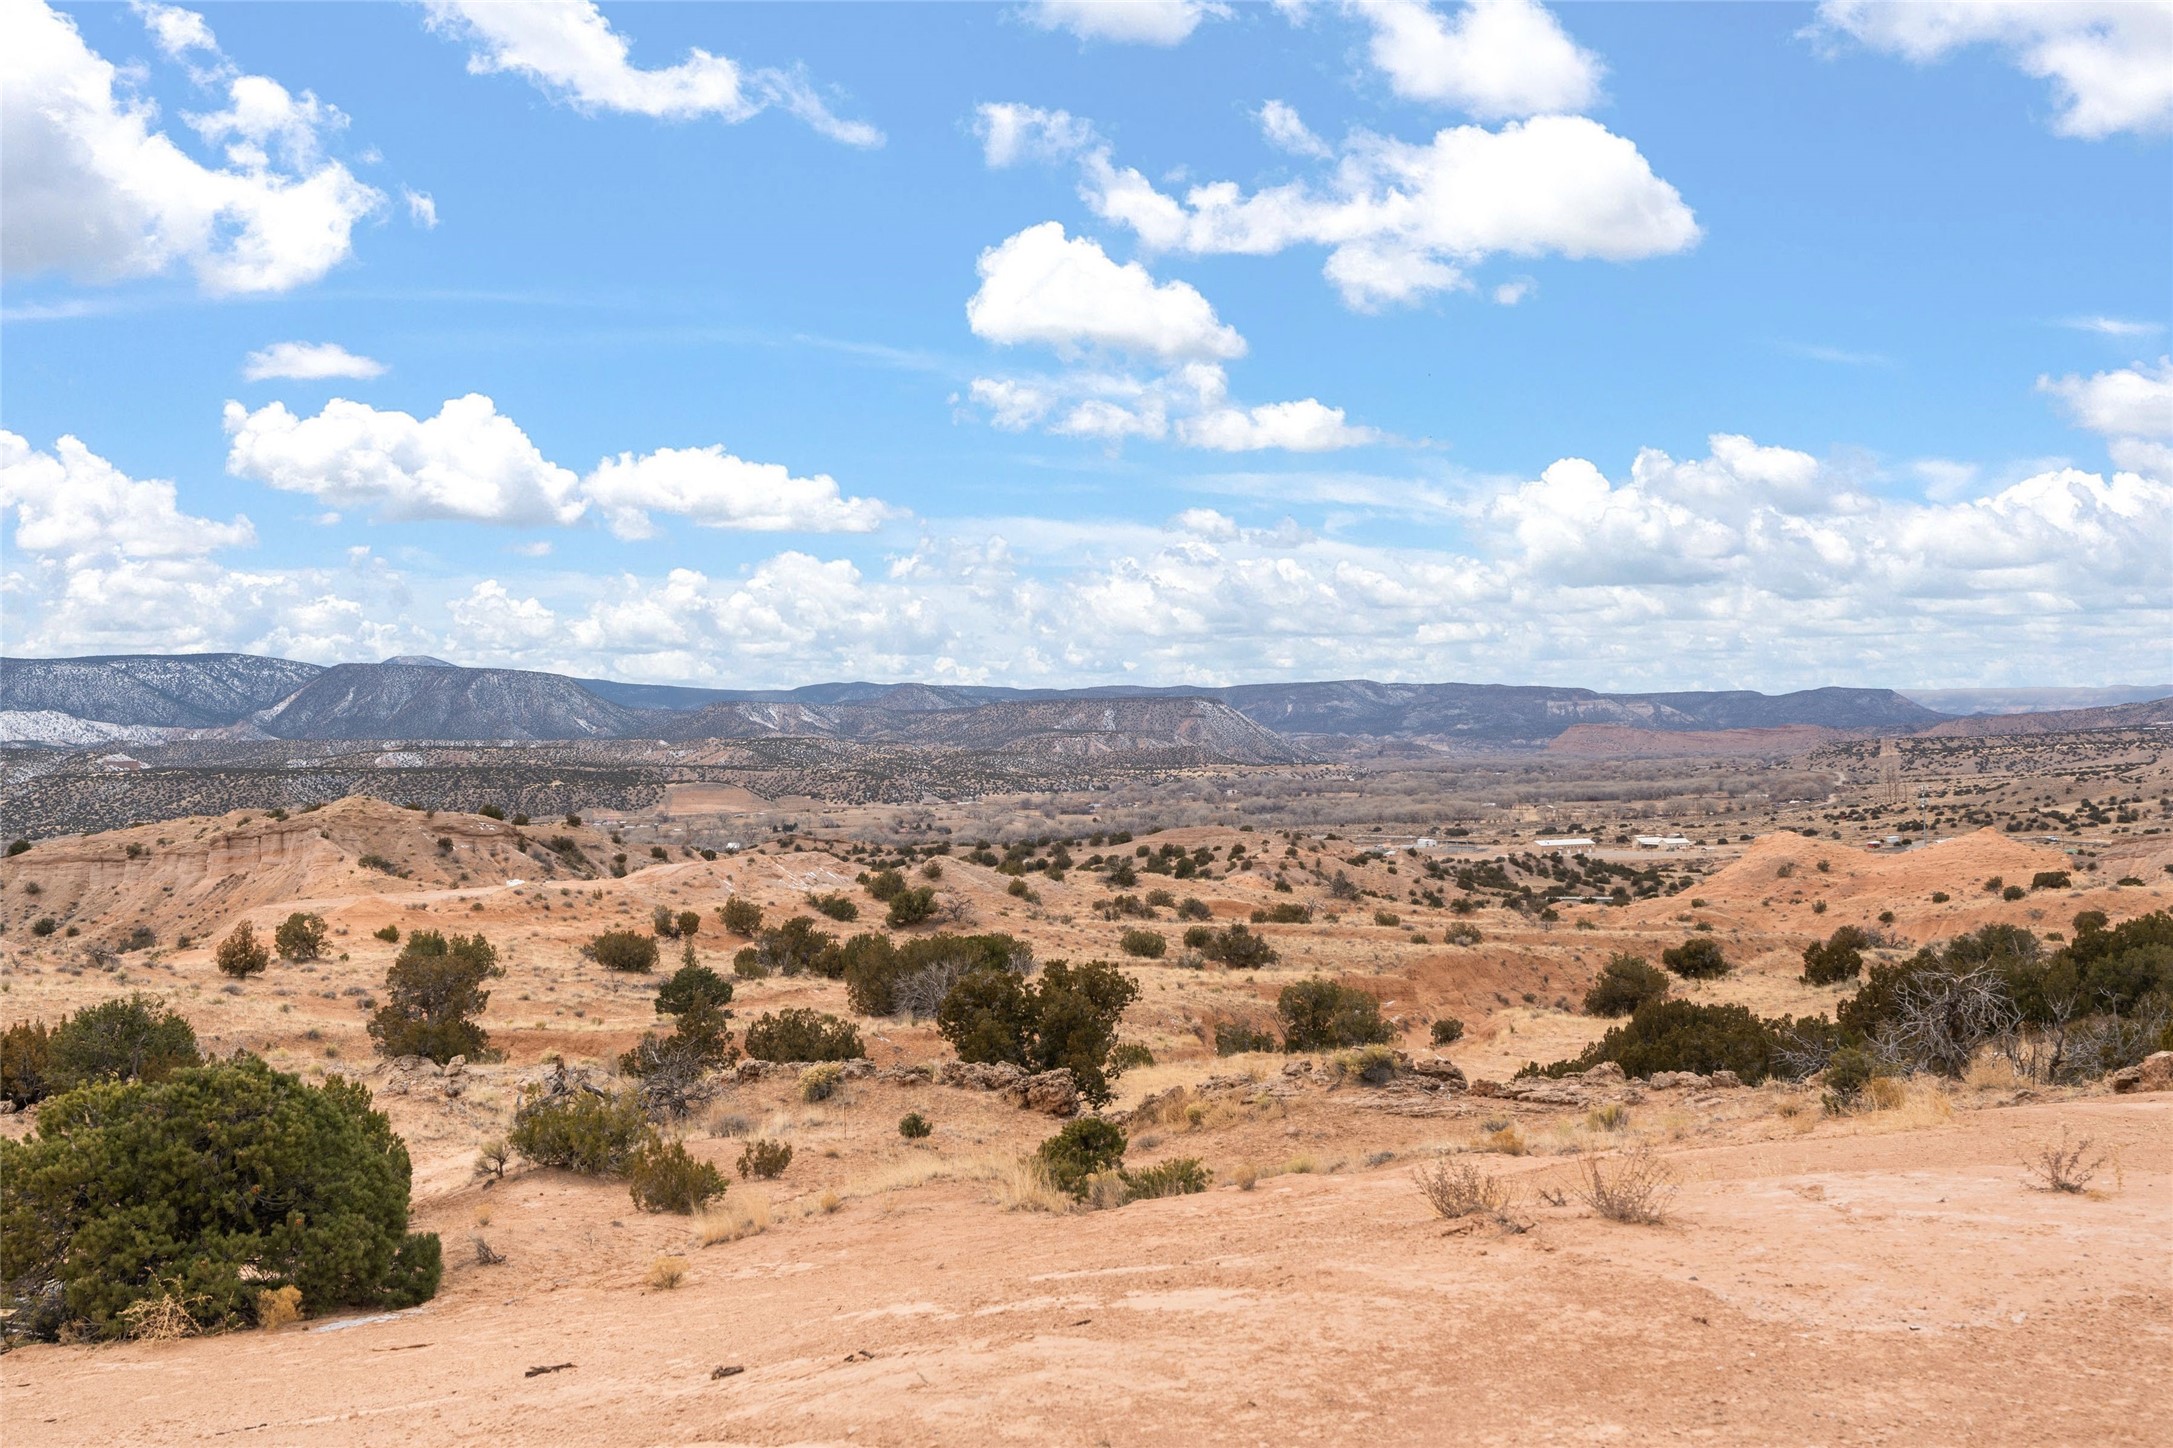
point(146, 697)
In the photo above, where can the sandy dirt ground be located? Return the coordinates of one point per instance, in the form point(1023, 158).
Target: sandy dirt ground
point(1885, 1277)
point(1905, 1287)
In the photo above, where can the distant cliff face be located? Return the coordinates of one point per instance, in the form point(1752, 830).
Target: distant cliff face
point(1515, 713)
point(1203, 729)
point(434, 701)
point(181, 691)
point(45, 700)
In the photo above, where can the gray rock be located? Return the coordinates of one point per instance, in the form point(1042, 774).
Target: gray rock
point(1440, 1070)
point(1052, 1093)
point(2153, 1073)
point(979, 1075)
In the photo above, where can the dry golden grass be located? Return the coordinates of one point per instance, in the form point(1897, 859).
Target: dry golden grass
point(1026, 1187)
point(1504, 1140)
point(665, 1273)
point(1911, 1104)
point(740, 1214)
point(163, 1318)
point(279, 1307)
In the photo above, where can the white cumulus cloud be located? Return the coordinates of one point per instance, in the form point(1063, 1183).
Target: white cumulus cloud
point(472, 462)
point(1307, 425)
point(93, 187)
point(2131, 402)
point(1011, 133)
point(1402, 220)
point(1138, 22)
point(1287, 130)
point(308, 362)
point(1496, 59)
point(2110, 62)
point(73, 504)
point(714, 489)
point(469, 461)
point(1044, 287)
point(568, 48)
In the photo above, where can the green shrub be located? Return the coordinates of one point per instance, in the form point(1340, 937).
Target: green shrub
point(300, 936)
point(1235, 1038)
point(627, 950)
point(1448, 1031)
point(582, 1131)
point(1625, 983)
point(1287, 913)
point(884, 885)
point(219, 1182)
point(390, 934)
point(492, 812)
point(1130, 1054)
point(1177, 1177)
point(2119, 968)
point(1321, 1015)
point(16, 847)
point(2050, 880)
point(2013, 892)
point(241, 954)
point(911, 907)
point(1698, 958)
point(664, 923)
point(1840, 957)
point(43, 926)
point(25, 1063)
point(128, 1039)
point(434, 992)
point(1146, 944)
point(764, 1160)
point(797, 947)
point(740, 917)
point(838, 907)
point(1085, 1146)
point(800, 1034)
point(692, 986)
point(1848, 1072)
point(1067, 1019)
point(913, 1126)
point(1193, 908)
point(1236, 947)
point(662, 1177)
point(747, 964)
point(1679, 1035)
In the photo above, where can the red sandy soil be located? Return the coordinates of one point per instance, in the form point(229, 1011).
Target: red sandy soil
point(1844, 1288)
point(1888, 1277)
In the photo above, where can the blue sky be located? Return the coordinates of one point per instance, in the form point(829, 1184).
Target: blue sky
point(1620, 345)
